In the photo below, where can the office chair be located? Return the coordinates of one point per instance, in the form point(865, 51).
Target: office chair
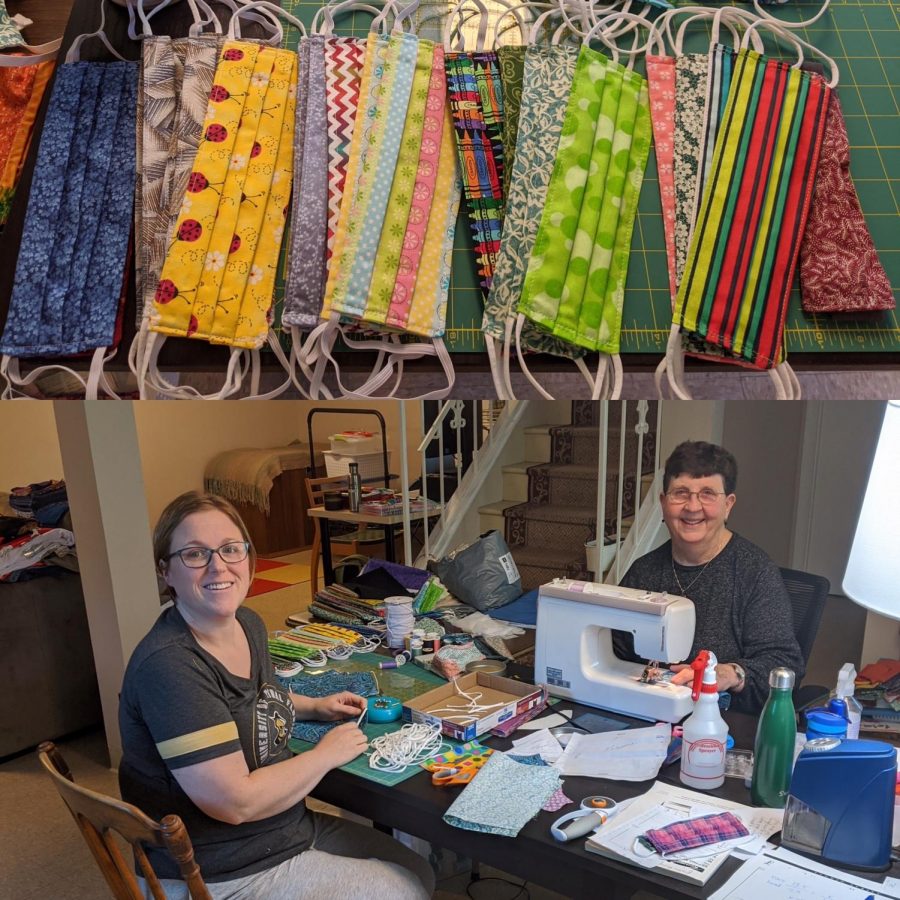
point(808, 595)
point(98, 815)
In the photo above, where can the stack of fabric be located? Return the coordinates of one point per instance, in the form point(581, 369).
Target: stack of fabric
point(45, 501)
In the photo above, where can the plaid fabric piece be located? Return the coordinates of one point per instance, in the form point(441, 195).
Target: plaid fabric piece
point(690, 833)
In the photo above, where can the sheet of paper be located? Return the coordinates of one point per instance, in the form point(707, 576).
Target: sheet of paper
point(664, 804)
point(782, 875)
point(548, 721)
point(540, 742)
point(633, 755)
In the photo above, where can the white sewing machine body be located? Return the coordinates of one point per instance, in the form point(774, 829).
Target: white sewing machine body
point(574, 654)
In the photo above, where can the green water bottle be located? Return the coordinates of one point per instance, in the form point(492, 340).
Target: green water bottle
point(773, 755)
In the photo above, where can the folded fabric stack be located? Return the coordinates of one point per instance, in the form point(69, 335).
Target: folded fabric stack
point(335, 603)
point(44, 501)
point(878, 684)
point(42, 553)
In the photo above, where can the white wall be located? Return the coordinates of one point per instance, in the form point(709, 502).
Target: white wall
point(29, 448)
point(765, 438)
point(178, 439)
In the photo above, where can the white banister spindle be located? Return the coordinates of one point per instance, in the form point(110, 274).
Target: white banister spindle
point(404, 487)
point(621, 497)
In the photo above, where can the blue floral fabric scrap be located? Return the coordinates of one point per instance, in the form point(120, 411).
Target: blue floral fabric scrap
point(503, 796)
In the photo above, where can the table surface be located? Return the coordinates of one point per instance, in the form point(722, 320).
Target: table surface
point(416, 807)
point(344, 515)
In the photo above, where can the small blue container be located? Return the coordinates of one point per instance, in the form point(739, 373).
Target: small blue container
point(822, 723)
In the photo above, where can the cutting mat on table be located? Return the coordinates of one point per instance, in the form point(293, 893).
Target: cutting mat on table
point(404, 683)
point(863, 36)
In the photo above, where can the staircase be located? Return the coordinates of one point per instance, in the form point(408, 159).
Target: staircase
point(549, 505)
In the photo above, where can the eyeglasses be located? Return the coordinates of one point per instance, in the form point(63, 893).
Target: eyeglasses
point(199, 557)
point(707, 496)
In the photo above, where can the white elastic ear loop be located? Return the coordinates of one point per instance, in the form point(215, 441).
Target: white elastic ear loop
point(325, 26)
point(799, 43)
point(146, 29)
point(790, 38)
point(618, 377)
point(784, 23)
point(74, 53)
point(595, 382)
point(520, 321)
point(599, 32)
point(658, 374)
point(729, 24)
point(515, 12)
point(507, 348)
point(495, 365)
point(675, 364)
point(406, 14)
point(234, 28)
point(457, 11)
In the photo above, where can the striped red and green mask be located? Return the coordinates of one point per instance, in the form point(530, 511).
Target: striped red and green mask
point(743, 253)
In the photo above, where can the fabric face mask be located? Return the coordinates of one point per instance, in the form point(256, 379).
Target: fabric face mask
point(575, 288)
point(342, 60)
point(21, 91)
point(839, 268)
point(173, 95)
point(475, 95)
point(661, 86)
point(217, 277)
point(547, 80)
point(10, 38)
point(72, 257)
point(691, 71)
point(511, 61)
point(741, 263)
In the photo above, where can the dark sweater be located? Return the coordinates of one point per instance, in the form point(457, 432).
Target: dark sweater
point(743, 613)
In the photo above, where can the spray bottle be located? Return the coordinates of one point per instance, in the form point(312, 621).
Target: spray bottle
point(705, 731)
point(844, 703)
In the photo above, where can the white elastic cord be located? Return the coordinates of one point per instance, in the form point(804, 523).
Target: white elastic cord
point(412, 744)
point(495, 365)
point(595, 384)
point(675, 364)
point(74, 53)
point(39, 53)
point(784, 23)
point(520, 321)
point(507, 349)
point(618, 377)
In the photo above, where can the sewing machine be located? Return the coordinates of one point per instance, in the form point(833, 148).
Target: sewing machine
point(574, 654)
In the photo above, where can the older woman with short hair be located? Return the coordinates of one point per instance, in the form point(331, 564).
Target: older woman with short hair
point(742, 607)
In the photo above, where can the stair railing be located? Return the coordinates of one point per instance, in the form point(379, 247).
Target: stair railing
point(492, 429)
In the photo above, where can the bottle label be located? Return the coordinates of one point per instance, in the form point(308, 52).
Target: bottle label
point(705, 754)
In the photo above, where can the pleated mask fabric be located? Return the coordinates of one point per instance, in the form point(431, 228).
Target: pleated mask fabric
point(691, 73)
point(70, 269)
point(475, 94)
point(434, 142)
point(305, 284)
point(343, 71)
point(839, 268)
point(21, 92)
point(173, 94)
point(547, 80)
point(225, 243)
point(395, 236)
point(371, 193)
point(511, 61)
point(742, 257)
point(575, 287)
point(661, 85)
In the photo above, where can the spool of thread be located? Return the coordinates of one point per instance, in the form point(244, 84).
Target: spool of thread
point(401, 659)
point(415, 647)
point(399, 620)
point(432, 644)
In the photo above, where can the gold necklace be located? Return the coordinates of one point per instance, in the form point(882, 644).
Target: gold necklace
point(697, 577)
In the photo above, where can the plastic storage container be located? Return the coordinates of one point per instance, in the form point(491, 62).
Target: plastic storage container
point(371, 465)
point(820, 723)
point(355, 443)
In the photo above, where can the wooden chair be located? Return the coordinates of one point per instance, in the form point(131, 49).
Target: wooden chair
point(342, 544)
point(98, 815)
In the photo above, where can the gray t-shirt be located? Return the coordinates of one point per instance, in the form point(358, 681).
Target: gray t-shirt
point(180, 706)
point(743, 613)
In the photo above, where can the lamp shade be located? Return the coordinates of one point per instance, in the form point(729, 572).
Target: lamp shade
point(872, 577)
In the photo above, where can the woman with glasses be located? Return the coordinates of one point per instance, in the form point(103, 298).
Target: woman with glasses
point(205, 726)
point(742, 607)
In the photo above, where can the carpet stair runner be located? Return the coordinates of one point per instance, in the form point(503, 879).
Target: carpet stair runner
point(548, 531)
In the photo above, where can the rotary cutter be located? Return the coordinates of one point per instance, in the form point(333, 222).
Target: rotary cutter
point(593, 813)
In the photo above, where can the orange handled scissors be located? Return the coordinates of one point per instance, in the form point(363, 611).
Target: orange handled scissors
point(461, 772)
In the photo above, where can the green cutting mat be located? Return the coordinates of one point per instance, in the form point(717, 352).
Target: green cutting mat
point(863, 36)
point(404, 683)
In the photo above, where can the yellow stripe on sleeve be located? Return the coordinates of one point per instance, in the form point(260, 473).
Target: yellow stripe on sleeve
point(198, 740)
